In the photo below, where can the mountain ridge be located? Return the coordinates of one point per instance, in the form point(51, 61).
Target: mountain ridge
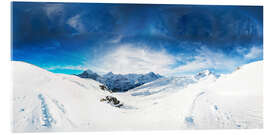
point(120, 82)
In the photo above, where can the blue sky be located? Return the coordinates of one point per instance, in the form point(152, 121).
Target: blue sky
point(136, 38)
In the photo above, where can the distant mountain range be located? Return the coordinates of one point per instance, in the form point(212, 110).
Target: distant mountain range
point(121, 82)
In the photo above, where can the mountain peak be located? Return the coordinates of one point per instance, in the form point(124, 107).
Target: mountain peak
point(88, 74)
point(151, 73)
point(206, 72)
point(89, 71)
point(203, 74)
point(110, 73)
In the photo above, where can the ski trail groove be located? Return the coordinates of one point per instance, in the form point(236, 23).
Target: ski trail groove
point(47, 119)
point(189, 119)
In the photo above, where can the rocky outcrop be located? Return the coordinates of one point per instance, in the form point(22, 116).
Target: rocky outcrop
point(103, 87)
point(112, 100)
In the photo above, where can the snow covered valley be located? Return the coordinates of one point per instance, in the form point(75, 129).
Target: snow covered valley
point(44, 101)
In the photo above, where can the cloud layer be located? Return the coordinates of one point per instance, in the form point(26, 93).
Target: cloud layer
point(254, 53)
point(207, 59)
point(128, 58)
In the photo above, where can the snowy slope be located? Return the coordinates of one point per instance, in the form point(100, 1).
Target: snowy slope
point(172, 84)
point(235, 100)
point(231, 101)
point(44, 101)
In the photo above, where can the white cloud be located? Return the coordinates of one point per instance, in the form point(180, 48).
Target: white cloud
point(241, 50)
point(116, 40)
point(70, 67)
point(75, 22)
point(253, 53)
point(206, 59)
point(129, 59)
point(53, 9)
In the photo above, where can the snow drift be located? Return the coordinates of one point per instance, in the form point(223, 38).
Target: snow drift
point(44, 101)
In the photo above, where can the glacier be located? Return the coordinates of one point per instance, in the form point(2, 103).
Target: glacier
point(45, 102)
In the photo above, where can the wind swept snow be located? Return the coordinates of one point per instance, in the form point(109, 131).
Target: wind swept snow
point(43, 101)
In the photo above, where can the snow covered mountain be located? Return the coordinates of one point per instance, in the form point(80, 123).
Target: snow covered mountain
point(89, 74)
point(205, 73)
point(119, 82)
point(170, 84)
point(44, 101)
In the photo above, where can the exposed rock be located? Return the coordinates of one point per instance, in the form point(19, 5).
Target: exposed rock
point(103, 87)
point(112, 100)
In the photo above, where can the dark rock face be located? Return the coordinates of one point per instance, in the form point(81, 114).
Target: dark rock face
point(112, 100)
point(103, 87)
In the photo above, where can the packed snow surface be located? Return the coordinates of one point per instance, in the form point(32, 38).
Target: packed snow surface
point(44, 101)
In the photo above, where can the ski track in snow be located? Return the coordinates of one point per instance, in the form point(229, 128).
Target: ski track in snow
point(189, 120)
point(47, 118)
point(223, 118)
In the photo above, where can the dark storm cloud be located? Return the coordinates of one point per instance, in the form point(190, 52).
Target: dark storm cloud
point(211, 24)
